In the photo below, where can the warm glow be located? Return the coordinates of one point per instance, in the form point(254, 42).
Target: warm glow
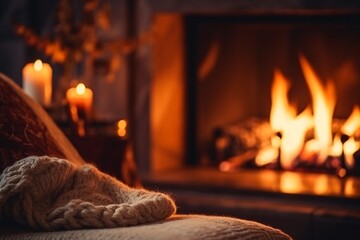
point(122, 124)
point(290, 183)
point(38, 65)
point(283, 119)
point(352, 123)
point(37, 81)
point(290, 130)
point(351, 187)
point(82, 98)
point(321, 184)
point(80, 89)
point(336, 148)
point(281, 111)
point(266, 156)
point(121, 130)
point(323, 102)
point(350, 146)
point(292, 141)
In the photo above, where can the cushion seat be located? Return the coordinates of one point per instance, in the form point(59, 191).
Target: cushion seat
point(190, 227)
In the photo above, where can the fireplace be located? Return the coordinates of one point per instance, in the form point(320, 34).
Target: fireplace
point(234, 65)
point(211, 65)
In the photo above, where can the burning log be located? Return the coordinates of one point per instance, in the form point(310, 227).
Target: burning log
point(284, 140)
point(238, 138)
point(236, 162)
point(250, 144)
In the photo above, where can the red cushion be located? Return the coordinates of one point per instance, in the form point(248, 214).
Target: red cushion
point(26, 129)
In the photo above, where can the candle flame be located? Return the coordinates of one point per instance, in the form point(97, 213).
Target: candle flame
point(121, 128)
point(38, 65)
point(122, 124)
point(80, 89)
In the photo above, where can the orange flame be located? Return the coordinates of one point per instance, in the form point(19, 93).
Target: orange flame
point(352, 123)
point(283, 119)
point(323, 100)
point(293, 128)
point(281, 110)
point(292, 141)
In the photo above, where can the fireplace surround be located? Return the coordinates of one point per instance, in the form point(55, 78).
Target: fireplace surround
point(164, 104)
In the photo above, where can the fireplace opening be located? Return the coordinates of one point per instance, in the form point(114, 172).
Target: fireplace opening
point(232, 65)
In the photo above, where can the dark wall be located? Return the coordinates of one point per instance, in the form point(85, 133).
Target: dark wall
point(12, 48)
point(40, 16)
point(37, 14)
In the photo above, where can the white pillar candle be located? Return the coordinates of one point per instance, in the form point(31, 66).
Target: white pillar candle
point(81, 97)
point(37, 80)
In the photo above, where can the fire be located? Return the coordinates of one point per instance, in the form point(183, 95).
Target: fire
point(293, 136)
point(281, 110)
point(291, 128)
point(352, 123)
point(324, 99)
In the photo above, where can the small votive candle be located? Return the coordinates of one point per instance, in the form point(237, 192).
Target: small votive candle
point(121, 128)
point(37, 80)
point(81, 98)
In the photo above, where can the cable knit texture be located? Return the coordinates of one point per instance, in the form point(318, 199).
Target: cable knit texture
point(49, 193)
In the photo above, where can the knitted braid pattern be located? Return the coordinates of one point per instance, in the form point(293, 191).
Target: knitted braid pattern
point(52, 194)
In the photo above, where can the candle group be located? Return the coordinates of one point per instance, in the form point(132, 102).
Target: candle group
point(80, 98)
point(37, 80)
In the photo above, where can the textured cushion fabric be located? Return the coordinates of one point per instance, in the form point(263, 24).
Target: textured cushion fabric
point(190, 227)
point(48, 193)
point(27, 130)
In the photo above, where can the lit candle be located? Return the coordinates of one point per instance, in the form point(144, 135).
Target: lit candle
point(121, 128)
point(37, 80)
point(81, 98)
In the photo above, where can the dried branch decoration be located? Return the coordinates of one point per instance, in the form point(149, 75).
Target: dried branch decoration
point(76, 37)
point(72, 37)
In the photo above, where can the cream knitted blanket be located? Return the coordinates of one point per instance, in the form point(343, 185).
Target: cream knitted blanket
point(51, 193)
